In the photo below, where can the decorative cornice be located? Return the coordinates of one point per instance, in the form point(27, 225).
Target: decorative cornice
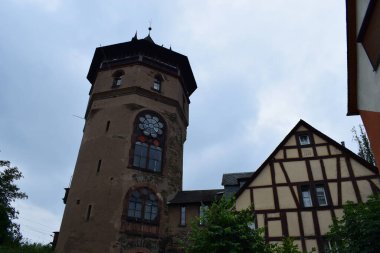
point(136, 91)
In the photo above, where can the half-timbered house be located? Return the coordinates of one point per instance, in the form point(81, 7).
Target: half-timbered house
point(302, 186)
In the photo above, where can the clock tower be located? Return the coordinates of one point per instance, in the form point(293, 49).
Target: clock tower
point(130, 158)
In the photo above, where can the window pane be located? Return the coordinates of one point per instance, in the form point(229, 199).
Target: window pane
point(116, 81)
point(134, 206)
point(157, 85)
point(140, 155)
point(304, 139)
point(202, 210)
point(155, 154)
point(131, 213)
point(150, 210)
point(183, 215)
point(306, 197)
point(321, 195)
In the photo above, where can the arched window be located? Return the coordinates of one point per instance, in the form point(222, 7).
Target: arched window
point(157, 82)
point(149, 142)
point(143, 206)
point(117, 78)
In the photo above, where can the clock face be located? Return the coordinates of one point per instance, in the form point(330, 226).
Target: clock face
point(151, 126)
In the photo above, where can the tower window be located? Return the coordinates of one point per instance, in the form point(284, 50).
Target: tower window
point(148, 147)
point(99, 165)
point(157, 83)
point(117, 78)
point(88, 212)
point(108, 126)
point(143, 206)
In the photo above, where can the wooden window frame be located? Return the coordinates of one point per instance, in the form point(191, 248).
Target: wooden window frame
point(304, 133)
point(313, 195)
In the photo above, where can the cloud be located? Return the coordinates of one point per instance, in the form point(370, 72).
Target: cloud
point(260, 67)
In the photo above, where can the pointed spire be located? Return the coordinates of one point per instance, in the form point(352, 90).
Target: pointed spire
point(134, 37)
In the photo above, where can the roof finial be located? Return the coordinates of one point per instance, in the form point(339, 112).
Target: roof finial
point(148, 38)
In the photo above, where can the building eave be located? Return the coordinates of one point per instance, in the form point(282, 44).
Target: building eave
point(352, 104)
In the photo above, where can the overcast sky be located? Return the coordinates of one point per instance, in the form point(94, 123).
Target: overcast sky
point(260, 66)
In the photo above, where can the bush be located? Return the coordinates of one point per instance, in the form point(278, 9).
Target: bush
point(27, 248)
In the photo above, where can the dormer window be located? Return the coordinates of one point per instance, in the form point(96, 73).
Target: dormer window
point(157, 83)
point(304, 139)
point(117, 78)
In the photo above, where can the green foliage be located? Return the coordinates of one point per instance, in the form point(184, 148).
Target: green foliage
point(287, 246)
point(27, 248)
point(225, 230)
point(365, 150)
point(9, 192)
point(359, 228)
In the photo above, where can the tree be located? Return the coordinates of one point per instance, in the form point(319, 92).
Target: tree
point(359, 228)
point(225, 230)
point(287, 246)
point(365, 150)
point(27, 247)
point(9, 192)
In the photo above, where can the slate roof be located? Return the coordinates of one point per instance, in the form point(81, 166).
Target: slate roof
point(233, 178)
point(197, 196)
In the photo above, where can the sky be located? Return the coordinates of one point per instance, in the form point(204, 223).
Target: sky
point(260, 67)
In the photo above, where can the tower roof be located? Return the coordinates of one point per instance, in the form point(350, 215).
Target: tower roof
point(143, 47)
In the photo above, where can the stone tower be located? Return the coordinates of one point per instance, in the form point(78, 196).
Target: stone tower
point(130, 159)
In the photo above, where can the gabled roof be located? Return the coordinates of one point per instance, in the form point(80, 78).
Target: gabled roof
point(318, 133)
point(197, 196)
point(233, 178)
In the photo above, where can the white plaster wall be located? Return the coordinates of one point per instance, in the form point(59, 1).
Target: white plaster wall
point(368, 80)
